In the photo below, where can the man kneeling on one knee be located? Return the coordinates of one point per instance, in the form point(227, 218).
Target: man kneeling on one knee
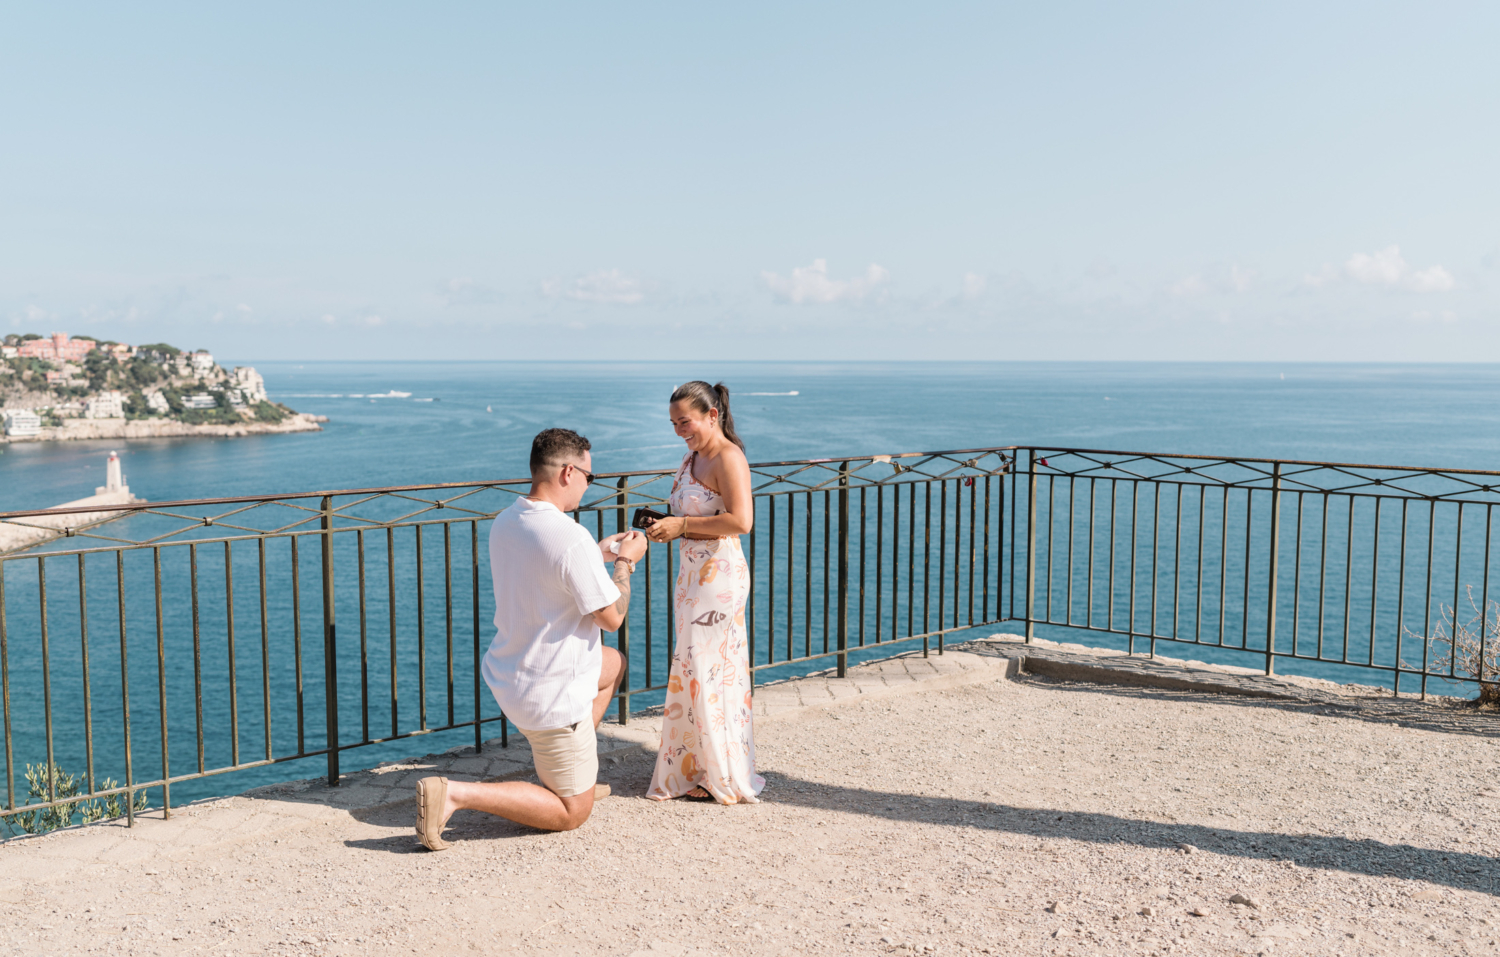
point(547, 667)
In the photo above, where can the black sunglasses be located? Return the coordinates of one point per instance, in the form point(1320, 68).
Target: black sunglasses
point(588, 476)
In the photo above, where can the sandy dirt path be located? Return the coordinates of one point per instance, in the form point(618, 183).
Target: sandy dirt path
point(1026, 816)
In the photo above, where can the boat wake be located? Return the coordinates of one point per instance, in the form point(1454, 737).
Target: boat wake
point(793, 392)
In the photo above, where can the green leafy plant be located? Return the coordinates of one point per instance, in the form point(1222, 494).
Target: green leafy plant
point(43, 780)
point(266, 412)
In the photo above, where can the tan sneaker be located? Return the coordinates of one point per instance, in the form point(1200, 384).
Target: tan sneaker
point(601, 791)
point(432, 798)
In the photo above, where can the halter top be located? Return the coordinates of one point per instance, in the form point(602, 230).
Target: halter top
point(692, 497)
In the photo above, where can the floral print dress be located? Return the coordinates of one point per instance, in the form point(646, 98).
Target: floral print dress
point(706, 735)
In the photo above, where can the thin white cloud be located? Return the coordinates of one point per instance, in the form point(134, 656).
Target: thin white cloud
point(466, 292)
point(1234, 281)
point(1387, 267)
point(602, 285)
point(1426, 315)
point(973, 286)
point(1188, 287)
point(242, 307)
point(1322, 277)
point(1240, 278)
point(812, 284)
point(373, 321)
point(1431, 279)
point(329, 318)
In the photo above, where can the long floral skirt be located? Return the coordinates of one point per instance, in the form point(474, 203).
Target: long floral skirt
point(706, 736)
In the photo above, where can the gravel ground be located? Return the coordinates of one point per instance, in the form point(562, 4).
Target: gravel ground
point(1006, 817)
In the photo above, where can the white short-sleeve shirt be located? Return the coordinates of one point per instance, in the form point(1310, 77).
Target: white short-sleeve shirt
point(543, 666)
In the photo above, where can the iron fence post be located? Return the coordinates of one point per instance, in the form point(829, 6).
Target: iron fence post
point(330, 646)
point(1271, 585)
point(622, 637)
point(478, 653)
point(1030, 543)
point(843, 621)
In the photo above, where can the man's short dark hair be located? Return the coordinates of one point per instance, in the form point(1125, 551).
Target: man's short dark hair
point(556, 447)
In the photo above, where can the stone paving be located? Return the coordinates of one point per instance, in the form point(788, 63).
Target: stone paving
point(1002, 798)
point(296, 805)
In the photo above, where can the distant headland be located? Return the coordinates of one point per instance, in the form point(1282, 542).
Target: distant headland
point(61, 387)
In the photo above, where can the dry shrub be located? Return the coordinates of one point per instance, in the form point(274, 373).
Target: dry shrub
point(1469, 649)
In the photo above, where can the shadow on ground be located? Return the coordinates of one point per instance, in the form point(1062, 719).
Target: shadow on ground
point(1461, 870)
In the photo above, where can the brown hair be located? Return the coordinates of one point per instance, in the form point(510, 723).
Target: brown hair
point(552, 446)
point(703, 397)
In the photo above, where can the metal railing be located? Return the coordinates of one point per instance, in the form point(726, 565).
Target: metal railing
point(206, 606)
point(204, 602)
point(1376, 572)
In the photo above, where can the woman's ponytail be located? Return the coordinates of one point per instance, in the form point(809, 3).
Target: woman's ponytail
point(726, 421)
point(703, 397)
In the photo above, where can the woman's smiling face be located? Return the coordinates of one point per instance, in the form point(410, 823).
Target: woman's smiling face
point(693, 427)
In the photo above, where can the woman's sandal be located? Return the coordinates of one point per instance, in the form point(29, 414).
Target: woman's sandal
point(432, 798)
point(699, 794)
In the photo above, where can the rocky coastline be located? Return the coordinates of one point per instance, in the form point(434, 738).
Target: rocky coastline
point(79, 429)
point(62, 388)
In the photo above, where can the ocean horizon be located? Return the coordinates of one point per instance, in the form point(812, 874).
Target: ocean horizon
point(466, 421)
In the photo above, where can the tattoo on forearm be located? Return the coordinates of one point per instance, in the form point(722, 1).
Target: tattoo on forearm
point(621, 578)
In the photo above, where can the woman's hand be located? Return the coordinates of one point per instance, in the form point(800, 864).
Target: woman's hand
point(666, 529)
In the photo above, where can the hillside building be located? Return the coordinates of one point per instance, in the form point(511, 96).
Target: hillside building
point(249, 383)
point(105, 405)
point(58, 348)
point(21, 422)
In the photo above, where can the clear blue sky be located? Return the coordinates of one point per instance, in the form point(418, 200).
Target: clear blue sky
point(1011, 181)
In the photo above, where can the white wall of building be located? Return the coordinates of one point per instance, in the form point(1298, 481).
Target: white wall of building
point(105, 405)
point(21, 422)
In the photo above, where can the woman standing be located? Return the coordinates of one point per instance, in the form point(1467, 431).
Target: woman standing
point(707, 743)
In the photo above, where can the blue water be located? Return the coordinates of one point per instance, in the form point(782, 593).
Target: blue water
point(1381, 414)
point(478, 426)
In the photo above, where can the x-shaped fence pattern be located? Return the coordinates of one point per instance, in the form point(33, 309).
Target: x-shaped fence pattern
point(1340, 566)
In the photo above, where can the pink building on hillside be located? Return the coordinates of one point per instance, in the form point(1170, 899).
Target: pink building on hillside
point(59, 347)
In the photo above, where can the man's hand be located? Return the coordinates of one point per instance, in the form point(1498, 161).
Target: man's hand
point(633, 546)
point(632, 549)
point(623, 538)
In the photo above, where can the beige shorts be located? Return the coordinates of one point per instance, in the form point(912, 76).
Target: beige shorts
point(566, 759)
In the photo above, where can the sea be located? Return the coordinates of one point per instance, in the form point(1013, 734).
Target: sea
point(404, 423)
point(465, 421)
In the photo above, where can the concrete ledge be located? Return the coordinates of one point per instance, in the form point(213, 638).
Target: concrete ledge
point(1144, 674)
